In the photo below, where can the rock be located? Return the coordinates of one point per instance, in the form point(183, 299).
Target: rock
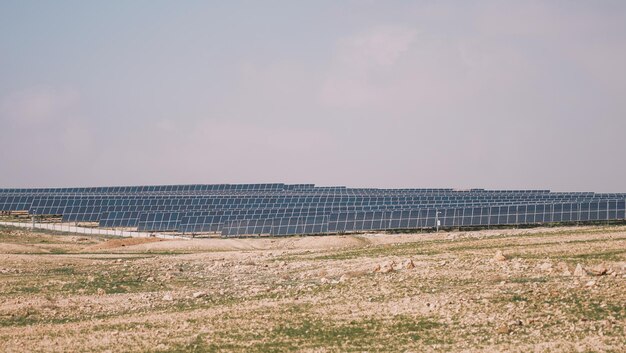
point(100, 291)
point(387, 267)
point(562, 266)
point(579, 271)
point(503, 330)
point(598, 270)
point(323, 280)
point(168, 297)
point(546, 266)
point(408, 264)
point(590, 284)
point(499, 256)
point(200, 294)
point(150, 279)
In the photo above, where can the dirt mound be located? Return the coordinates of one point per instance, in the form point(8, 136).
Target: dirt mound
point(118, 243)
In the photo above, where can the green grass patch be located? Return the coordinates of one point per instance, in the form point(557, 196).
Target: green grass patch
point(529, 280)
point(613, 255)
point(66, 271)
point(518, 298)
point(412, 249)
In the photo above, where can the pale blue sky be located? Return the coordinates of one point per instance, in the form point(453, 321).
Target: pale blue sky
point(493, 94)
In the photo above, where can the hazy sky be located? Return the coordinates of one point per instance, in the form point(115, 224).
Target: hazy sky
point(492, 94)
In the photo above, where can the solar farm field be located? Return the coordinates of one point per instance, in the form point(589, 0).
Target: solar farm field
point(244, 210)
point(557, 289)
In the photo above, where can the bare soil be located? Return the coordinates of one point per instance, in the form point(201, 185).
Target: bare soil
point(517, 290)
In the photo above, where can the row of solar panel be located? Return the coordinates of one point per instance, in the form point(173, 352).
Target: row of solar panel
point(292, 195)
point(161, 188)
point(9, 198)
point(316, 191)
point(310, 192)
point(428, 218)
point(13, 204)
point(233, 187)
point(213, 221)
point(92, 213)
point(244, 188)
point(79, 207)
point(98, 206)
point(25, 203)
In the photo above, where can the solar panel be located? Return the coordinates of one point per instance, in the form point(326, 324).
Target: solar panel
point(284, 209)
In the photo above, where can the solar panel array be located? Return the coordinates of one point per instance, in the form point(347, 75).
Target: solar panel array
point(288, 209)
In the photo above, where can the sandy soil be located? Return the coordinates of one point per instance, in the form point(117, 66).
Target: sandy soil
point(542, 289)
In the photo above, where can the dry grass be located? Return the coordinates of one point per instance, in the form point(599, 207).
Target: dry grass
point(74, 293)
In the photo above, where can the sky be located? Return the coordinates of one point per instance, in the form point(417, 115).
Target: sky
point(461, 94)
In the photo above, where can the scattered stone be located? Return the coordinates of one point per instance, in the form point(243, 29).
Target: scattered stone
point(562, 266)
point(100, 291)
point(200, 294)
point(546, 267)
point(590, 283)
point(150, 279)
point(168, 297)
point(408, 264)
point(503, 330)
point(499, 256)
point(598, 270)
point(323, 280)
point(579, 271)
point(387, 267)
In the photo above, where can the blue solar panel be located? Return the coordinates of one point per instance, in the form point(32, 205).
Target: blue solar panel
point(245, 209)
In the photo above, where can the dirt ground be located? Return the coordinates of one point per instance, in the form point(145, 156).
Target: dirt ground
point(527, 290)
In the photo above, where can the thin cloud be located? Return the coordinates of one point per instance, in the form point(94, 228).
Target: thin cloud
point(38, 105)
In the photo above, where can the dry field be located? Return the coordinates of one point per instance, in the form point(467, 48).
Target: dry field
point(530, 290)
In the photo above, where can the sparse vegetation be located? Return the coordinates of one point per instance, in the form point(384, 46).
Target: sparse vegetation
point(345, 293)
